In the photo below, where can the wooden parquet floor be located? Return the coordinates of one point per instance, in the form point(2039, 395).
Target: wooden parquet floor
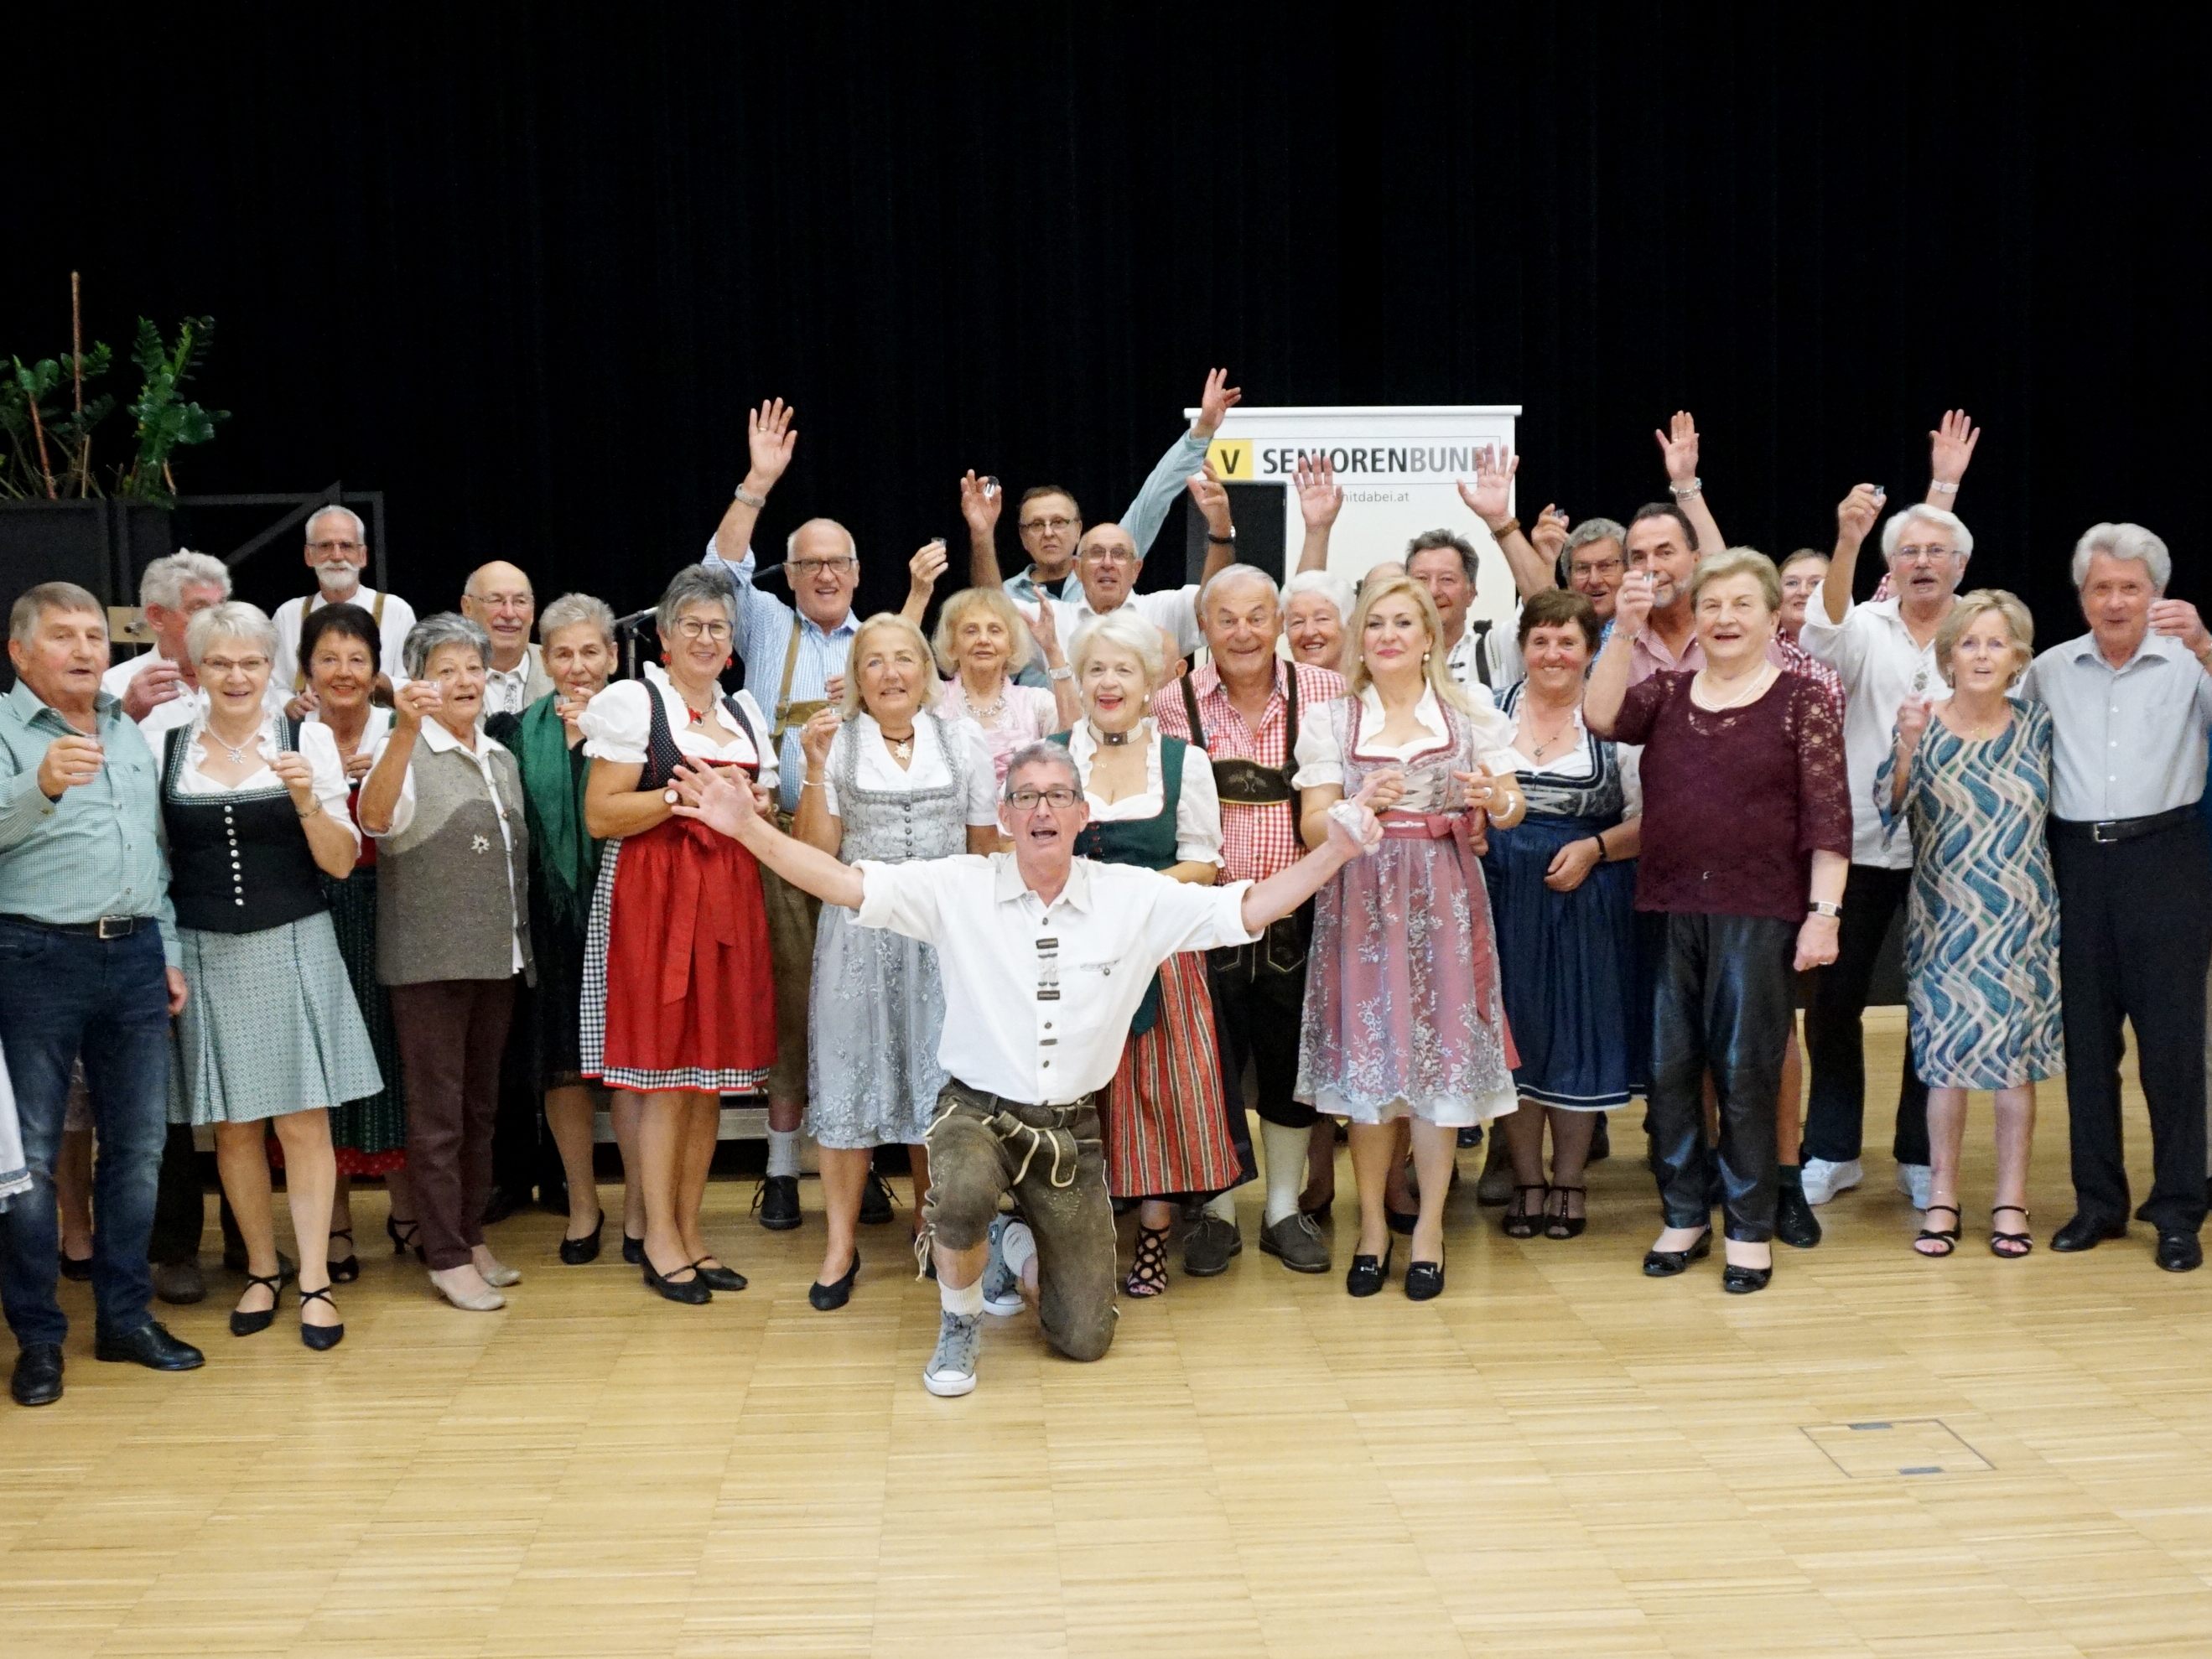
point(1557, 1458)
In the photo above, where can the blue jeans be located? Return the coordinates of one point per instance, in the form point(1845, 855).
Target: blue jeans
point(62, 994)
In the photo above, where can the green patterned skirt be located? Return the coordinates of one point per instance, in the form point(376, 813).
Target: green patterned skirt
point(370, 1134)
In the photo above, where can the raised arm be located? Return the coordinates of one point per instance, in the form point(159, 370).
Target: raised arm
point(1490, 498)
point(1679, 446)
point(381, 790)
point(1320, 500)
point(923, 571)
point(769, 440)
point(1608, 680)
point(1950, 452)
point(1184, 457)
point(1855, 520)
point(1210, 497)
point(815, 824)
point(1044, 628)
point(980, 501)
point(731, 809)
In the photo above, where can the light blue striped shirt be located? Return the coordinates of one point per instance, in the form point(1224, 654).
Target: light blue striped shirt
point(764, 640)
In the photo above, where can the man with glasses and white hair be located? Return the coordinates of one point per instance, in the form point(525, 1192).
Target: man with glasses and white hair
point(499, 599)
point(1884, 653)
point(2130, 704)
point(1045, 957)
point(337, 552)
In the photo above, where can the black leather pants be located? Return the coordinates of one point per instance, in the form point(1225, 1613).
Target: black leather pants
point(1722, 1003)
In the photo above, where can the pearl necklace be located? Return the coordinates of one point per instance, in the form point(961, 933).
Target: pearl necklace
point(1754, 682)
point(987, 712)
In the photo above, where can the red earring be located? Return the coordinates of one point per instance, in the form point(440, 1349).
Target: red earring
point(664, 659)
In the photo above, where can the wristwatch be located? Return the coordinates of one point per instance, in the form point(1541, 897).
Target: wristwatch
point(1062, 673)
point(1228, 540)
point(754, 501)
point(1822, 908)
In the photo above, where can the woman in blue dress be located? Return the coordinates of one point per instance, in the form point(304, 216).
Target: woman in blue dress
point(1563, 892)
point(1972, 778)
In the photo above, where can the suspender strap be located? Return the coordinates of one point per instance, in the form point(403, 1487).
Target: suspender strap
point(790, 666)
point(1190, 709)
point(376, 614)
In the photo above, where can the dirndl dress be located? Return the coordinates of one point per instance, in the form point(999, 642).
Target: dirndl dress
point(876, 1011)
point(1166, 1118)
point(678, 987)
point(1568, 963)
point(1404, 1012)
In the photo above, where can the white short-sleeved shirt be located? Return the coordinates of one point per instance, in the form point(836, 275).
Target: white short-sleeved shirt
point(317, 747)
point(617, 724)
point(392, 628)
point(875, 769)
point(1320, 759)
point(1198, 804)
point(1172, 608)
point(1874, 654)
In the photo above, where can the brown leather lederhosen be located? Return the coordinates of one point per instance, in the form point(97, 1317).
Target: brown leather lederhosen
point(789, 716)
point(1238, 782)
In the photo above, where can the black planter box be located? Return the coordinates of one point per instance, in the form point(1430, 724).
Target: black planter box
point(103, 545)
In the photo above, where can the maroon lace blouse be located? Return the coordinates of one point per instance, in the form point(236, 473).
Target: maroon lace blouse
point(1736, 803)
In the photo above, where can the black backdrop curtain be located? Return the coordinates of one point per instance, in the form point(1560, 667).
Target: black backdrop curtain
point(524, 268)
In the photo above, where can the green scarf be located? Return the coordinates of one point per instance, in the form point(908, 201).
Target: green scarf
point(553, 799)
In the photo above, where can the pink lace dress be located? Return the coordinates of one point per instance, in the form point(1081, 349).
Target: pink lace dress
point(1019, 714)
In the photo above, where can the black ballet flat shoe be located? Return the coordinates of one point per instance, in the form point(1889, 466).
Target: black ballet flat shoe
point(251, 1324)
point(1424, 1281)
point(1365, 1275)
point(719, 1278)
point(692, 1293)
point(1665, 1264)
point(321, 1338)
point(1743, 1281)
point(1402, 1222)
point(633, 1250)
point(345, 1271)
point(76, 1268)
point(576, 1252)
point(828, 1298)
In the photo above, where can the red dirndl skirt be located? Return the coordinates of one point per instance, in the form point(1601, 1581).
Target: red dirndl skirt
point(690, 987)
point(1165, 1122)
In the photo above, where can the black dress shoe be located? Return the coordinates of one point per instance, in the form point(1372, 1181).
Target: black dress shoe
point(2086, 1232)
point(38, 1376)
point(692, 1291)
point(719, 1278)
point(575, 1252)
point(149, 1345)
point(876, 1202)
point(1401, 1222)
point(76, 1268)
point(180, 1284)
point(1743, 1281)
point(1601, 1147)
point(777, 1200)
point(1424, 1281)
point(502, 1204)
point(251, 1324)
point(1365, 1275)
point(2179, 1253)
point(828, 1298)
point(1794, 1224)
point(1665, 1264)
point(1470, 1135)
point(633, 1250)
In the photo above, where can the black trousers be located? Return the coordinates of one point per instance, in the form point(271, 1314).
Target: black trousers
point(1259, 1011)
point(2135, 936)
point(1835, 1041)
point(524, 1159)
point(1721, 1005)
point(180, 1205)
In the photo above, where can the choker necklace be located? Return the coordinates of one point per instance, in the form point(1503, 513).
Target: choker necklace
point(1112, 739)
point(902, 747)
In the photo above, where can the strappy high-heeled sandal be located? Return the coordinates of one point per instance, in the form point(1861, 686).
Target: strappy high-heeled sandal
point(1946, 1237)
point(403, 1236)
point(1517, 1222)
point(345, 1271)
point(1561, 1225)
point(250, 1324)
point(1148, 1272)
point(2010, 1246)
point(321, 1338)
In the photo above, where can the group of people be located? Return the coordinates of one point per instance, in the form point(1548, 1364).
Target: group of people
point(1063, 894)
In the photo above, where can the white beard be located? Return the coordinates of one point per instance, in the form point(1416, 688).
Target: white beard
point(337, 579)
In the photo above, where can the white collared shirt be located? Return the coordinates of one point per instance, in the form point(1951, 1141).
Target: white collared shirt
point(2126, 742)
point(189, 703)
point(1198, 803)
point(617, 724)
point(317, 747)
point(1038, 999)
point(1174, 609)
point(391, 629)
point(507, 691)
point(874, 769)
point(1874, 654)
point(438, 740)
point(1501, 655)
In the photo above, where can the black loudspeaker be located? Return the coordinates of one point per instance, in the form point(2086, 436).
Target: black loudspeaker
point(1256, 509)
point(93, 544)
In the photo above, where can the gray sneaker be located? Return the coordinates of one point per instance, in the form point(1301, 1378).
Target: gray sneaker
point(1210, 1246)
point(1002, 1286)
point(1299, 1243)
point(952, 1368)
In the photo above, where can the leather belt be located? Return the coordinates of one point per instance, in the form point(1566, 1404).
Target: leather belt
point(106, 927)
point(2107, 831)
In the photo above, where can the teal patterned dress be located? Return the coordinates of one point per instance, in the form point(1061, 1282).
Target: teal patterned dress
point(1981, 941)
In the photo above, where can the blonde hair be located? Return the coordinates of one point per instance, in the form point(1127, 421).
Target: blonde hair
point(1372, 593)
point(850, 703)
point(1738, 562)
point(1021, 646)
point(1980, 602)
point(1126, 628)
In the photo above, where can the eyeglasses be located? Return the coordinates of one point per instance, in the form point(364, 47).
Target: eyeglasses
point(233, 665)
point(1059, 798)
point(1935, 553)
point(334, 547)
point(692, 629)
point(1593, 568)
point(823, 567)
point(1109, 554)
point(1056, 522)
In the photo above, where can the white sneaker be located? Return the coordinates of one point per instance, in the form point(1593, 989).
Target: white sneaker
point(952, 1368)
point(1824, 1179)
point(1002, 1287)
point(1917, 1183)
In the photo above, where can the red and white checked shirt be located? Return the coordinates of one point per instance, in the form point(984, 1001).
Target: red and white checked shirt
point(1257, 842)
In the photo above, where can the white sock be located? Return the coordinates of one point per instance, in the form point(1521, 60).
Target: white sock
point(1016, 1248)
point(1286, 1149)
point(1223, 1205)
point(783, 1152)
point(967, 1302)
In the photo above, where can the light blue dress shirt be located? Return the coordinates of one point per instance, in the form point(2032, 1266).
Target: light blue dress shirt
point(764, 640)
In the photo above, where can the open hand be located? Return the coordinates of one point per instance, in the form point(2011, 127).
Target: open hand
point(769, 440)
point(1211, 496)
point(1678, 446)
point(1490, 497)
point(709, 795)
point(980, 501)
point(1320, 499)
point(1951, 447)
point(1215, 402)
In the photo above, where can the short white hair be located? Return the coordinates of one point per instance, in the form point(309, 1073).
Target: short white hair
point(165, 580)
point(1124, 628)
point(2123, 541)
point(791, 542)
point(574, 610)
point(1233, 572)
point(234, 619)
point(360, 530)
point(1962, 539)
point(1336, 589)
